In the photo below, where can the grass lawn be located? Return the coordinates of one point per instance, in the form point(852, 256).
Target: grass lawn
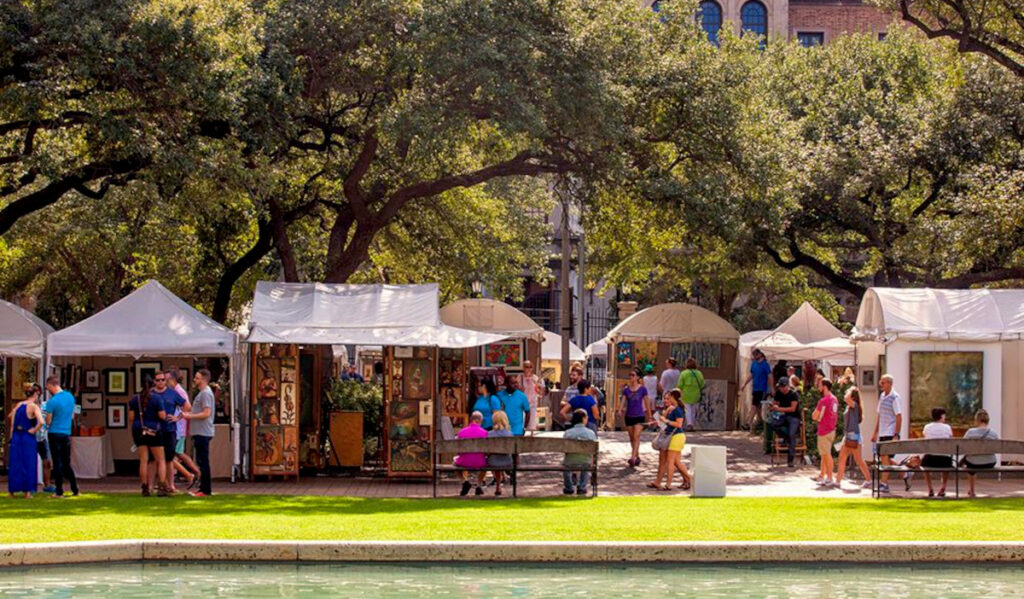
point(121, 516)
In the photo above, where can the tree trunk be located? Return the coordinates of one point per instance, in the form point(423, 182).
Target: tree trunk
point(282, 243)
point(264, 243)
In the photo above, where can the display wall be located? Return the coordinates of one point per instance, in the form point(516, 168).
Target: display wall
point(275, 408)
point(410, 392)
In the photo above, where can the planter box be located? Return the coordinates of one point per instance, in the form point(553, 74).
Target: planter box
point(346, 439)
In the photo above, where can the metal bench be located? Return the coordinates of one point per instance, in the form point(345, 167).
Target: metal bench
point(517, 446)
point(956, 448)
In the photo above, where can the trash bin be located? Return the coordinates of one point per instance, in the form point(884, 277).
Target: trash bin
point(708, 470)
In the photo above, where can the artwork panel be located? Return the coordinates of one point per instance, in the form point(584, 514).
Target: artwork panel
point(92, 401)
point(453, 400)
point(950, 380)
point(116, 381)
point(288, 402)
point(117, 416)
point(624, 354)
point(711, 412)
point(707, 355)
point(409, 456)
point(144, 370)
point(403, 352)
point(645, 352)
point(417, 379)
point(269, 446)
point(92, 379)
point(508, 355)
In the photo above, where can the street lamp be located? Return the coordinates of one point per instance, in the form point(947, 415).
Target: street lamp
point(478, 287)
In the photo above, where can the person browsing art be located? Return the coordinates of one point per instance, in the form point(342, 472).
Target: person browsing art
point(202, 429)
point(487, 402)
point(516, 406)
point(60, 413)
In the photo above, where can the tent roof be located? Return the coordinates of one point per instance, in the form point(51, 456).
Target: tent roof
point(551, 349)
point(22, 333)
point(150, 321)
point(334, 314)
point(807, 325)
point(597, 349)
point(491, 316)
point(749, 339)
point(675, 323)
point(941, 314)
point(783, 346)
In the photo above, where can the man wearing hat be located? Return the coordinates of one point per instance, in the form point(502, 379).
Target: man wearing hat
point(651, 383)
point(787, 404)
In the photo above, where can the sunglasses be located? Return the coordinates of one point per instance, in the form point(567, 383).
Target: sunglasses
point(159, 380)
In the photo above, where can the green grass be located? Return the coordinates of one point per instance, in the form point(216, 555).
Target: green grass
point(120, 516)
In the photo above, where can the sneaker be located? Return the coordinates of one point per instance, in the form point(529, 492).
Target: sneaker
point(466, 486)
point(479, 490)
point(866, 485)
point(50, 489)
point(566, 491)
point(883, 488)
point(581, 491)
point(198, 494)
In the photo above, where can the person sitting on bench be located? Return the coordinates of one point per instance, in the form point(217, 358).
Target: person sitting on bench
point(472, 460)
point(578, 478)
point(937, 429)
point(980, 461)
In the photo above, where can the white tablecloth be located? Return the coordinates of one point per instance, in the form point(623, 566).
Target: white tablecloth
point(92, 457)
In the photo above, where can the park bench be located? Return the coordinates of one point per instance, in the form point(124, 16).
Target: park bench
point(957, 448)
point(516, 447)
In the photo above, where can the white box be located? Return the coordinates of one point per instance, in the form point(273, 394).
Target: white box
point(709, 470)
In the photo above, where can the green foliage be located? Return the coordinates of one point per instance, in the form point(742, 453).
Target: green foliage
point(354, 396)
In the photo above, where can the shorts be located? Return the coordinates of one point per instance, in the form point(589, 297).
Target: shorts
point(170, 444)
point(936, 461)
point(150, 440)
point(677, 442)
point(179, 446)
point(825, 443)
point(635, 420)
point(758, 397)
point(970, 464)
point(851, 437)
point(43, 448)
point(137, 437)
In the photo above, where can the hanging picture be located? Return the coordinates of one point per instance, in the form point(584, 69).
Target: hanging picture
point(711, 411)
point(287, 403)
point(507, 354)
point(92, 379)
point(404, 418)
point(951, 380)
point(269, 445)
point(403, 352)
point(624, 354)
point(868, 377)
point(707, 355)
point(92, 401)
point(144, 371)
point(453, 400)
point(117, 381)
point(645, 352)
point(117, 416)
point(410, 456)
point(417, 379)
point(426, 413)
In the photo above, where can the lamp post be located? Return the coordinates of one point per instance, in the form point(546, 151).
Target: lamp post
point(478, 287)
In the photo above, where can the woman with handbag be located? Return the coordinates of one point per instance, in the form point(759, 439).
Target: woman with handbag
point(852, 418)
point(670, 442)
point(145, 417)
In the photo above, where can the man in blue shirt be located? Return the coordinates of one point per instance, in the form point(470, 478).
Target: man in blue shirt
point(760, 375)
point(170, 400)
point(516, 405)
point(60, 411)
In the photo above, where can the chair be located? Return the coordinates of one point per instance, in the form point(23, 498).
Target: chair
point(543, 418)
point(779, 448)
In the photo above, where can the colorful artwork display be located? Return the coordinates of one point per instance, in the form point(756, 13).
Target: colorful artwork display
point(507, 355)
point(624, 354)
point(269, 446)
point(951, 380)
point(410, 387)
point(711, 414)
point(275, 410)
point(646, 352)
point(707, 355)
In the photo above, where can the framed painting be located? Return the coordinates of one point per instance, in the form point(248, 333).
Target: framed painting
point(117, 416)
point(867, 377)
point(645, 352)
point(946, 379)
point(117, 381)
point(707, 355)
point(426, 413)
point(92, 379)
point(403, 351)
point(403, 419)
point(418, 379)
point(185, 379)
point(624, 354)
point(144, 370)
point(269, 446)
point(410, 456)
point(92, 401)
point(453, 400)
point(507, 354)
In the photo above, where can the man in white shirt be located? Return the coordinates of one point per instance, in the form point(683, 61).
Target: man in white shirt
point(888, 424)
point(669, 377)
point(533, 389)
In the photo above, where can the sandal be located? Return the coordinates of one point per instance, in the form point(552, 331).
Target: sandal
point(685, 486)
point(664, 489)
point(654, 485)
point(942, 492)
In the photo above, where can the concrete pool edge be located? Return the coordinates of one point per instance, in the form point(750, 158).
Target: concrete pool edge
point(32, 554)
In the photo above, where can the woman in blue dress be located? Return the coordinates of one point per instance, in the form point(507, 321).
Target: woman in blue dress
point(23, 474)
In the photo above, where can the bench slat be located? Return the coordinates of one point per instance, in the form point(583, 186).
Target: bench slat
point(516, 445)
point(951, 446)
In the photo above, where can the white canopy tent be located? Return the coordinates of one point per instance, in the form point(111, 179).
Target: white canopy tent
point(22, 333)
point(597, 349)
point(807, 325)
point(329, 314)
point(551, 349)
point(491, 316)
point(974, 315)
point(674, 323)
point(152, 322)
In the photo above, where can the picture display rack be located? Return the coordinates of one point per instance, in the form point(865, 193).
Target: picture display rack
point(275, 410)
point(410, 395)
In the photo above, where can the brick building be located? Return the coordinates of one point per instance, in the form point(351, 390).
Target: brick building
point(812, 22)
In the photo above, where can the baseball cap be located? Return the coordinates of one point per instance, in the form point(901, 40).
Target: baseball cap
point(783, 382)
point(649, 368)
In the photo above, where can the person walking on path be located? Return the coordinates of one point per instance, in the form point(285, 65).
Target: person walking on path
point(760, 373)
point(852, 418)
point(888, 424)
point(635, 406)
point(26, 420)
point(577, 478)
point(673, 419)
point(202, 428)
point(826, 414)
point(182, 462)
point(787, 405)
point(691, 385)
point(60, 412)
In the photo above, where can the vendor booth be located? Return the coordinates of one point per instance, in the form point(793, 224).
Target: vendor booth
point(425, 366)
point(104, 360)
point(958, 349)
point(22, 346)
point(681, 331)
point(551, 357)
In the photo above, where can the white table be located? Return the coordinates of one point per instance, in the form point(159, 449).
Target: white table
point(92, 457)
point(709, 470)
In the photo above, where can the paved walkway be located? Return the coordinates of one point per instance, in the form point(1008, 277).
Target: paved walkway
point(750, 475)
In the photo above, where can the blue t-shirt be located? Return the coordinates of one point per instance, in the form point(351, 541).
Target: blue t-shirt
point(62, 406)
point(151, 415)
point(585, 403)
point(674, 415)
point(760, 370)
point(486, 406)
point(516, 406)
point(168, 400)
point(133, 407)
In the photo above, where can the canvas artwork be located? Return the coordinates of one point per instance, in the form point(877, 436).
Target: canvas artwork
point(403, 419)
point(951, 380)
point(711, 411)
point(92, 379)
point(508, 355)
point(452, 371)
point(117, 381)
point(117, 416)
point(288, 404)
point(453, 400)
point(868, 377)
point(417, 379)
point(707, 355)
point(624, 354)
point(645, 352)
point(426, 413)
point(269, 445)
point(144, 371)
point(410, 455)
point(92, 401)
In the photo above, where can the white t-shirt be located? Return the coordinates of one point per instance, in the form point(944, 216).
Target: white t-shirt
point(888, 408)
point(651, 382)
point(670, 379)
point(938, 430)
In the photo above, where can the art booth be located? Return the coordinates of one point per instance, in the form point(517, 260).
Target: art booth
point(22, 347)
point(105, 359)
point(682, 331)
point(957, 349)
point(292, 329)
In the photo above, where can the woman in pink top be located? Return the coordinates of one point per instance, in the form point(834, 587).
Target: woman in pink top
point(472, 460)
point(826, 414)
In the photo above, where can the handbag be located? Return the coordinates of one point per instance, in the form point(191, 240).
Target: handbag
point(850, 443)
point(662, 441)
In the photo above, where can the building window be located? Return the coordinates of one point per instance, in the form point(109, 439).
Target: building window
point(754, 18)
point(809, 39)
point(711, 19)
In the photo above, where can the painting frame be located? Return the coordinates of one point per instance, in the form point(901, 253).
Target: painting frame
point(418, 381)
point(509, 355)
point(954, 380)
point(624, 352)
point(141, 369)
point(867, 377)
point(92, 401)
point(117, 416)
point(403, 351)
point(92, 379)
point(116, 381)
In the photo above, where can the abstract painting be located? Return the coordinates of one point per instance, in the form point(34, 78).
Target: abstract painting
point(711, 411)
point(951, 380)
point(707, 355)
point(269, 445)
point(646, 352)
point(624, 354)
